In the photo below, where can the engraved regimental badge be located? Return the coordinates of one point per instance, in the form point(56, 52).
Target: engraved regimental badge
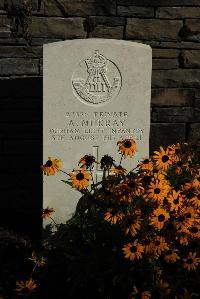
point(97, 80)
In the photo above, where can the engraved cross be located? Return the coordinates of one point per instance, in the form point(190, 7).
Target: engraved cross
point(97, 171)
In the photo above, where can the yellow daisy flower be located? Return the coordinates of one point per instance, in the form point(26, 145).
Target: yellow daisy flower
point(175, 199)
point(196, 181)
point(147, 244)
point(159, 245)
point(171, 256)
point(51, 166)
point(113, 216)
point(159, 217)
point(163, 159)
point(196, 200)
point(132, 223)
point(80, 179)
point(25, 287)
point(157, 190)
point(146, 164)
point(133, 250)
point(186, 218)
point(194, 231)
point(191, 262)
point(87, 161)
point(127, 147)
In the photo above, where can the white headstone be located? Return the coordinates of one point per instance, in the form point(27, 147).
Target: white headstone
point(96, 92)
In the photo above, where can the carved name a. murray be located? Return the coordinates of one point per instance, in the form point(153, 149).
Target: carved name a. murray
point(101, 80)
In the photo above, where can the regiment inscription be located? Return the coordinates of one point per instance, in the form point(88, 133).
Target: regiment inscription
point(102, 80)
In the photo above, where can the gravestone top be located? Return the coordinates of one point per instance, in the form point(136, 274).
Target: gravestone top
point(96, 92)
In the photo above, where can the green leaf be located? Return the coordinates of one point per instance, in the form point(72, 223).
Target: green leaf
point(67, 182)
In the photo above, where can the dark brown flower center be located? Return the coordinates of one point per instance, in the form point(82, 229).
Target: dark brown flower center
point(49, 163)
point(127, 144)
point(133, 249)
point(146, 161)
point(176, 201)
point(181, 218)
point(80, 176)
point(157, 243)
point(165, 158)
point(157, 190)
point(146, 179)
point(198, 178)
point(188, 215)
point(190, 261)
point(194, 229)
point(147, 242)
point(169, 252)
point(190, 194)
point(161, 218)
point(129, 221)
point(179, 163)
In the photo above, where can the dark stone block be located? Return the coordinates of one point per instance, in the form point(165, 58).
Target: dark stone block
point(58, 27)
point(148, 29)
point(106, 27)
point(19, 66)
point(13, 51)
point(191, 30)
point(174, 115)
point(165, 64)
point(135, 11)
point(162, 134)
point(79, 8)
point(191, 59)
point(165, 53)
point(178, 12)
point(172, 97)
point(176, 78)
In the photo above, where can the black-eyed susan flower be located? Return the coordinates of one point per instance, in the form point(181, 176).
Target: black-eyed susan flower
point(159, 217)
point(135, 185)
point(25, 287)
point(87, 161)
point(191, 262)
point(146, 164)
point(194, 231)
point(123, 193)
point(113, 216)
point(171, 256)
point(140, 294)
point(159, 245)
point(80, 178)
point(106, 162)
point(157, 190)
point(132, 223)
point(186, 217)
point(47, 213)
point(127, 147)
point(147, 244)
point(183, 239)
point(133, 251)
point(118, 170)
point(175, 200)
point(196, 200)
point(196, 180)
point(51, 166)
point(163, 159)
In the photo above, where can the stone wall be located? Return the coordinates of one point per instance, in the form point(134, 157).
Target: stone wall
point(171, 27)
